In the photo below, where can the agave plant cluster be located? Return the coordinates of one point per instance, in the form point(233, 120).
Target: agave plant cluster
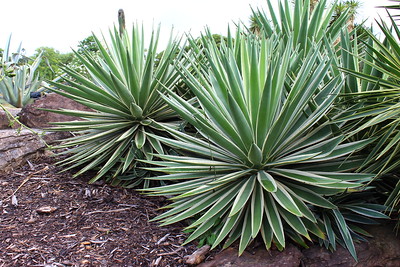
point(20, 78)
point(374, 109)
point(269, 147)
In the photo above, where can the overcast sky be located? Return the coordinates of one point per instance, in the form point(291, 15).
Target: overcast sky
point(62, 24)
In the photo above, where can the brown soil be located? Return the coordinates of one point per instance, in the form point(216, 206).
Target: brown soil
point(55, 220)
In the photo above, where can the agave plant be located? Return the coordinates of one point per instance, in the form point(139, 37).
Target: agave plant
point(375, 109)
point(306, 22)
point(123, 95)
point(8, 60)
point(378, 104)
point(266, 155)
point(20, 78)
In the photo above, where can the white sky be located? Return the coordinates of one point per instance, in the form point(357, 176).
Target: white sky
point(62, 24)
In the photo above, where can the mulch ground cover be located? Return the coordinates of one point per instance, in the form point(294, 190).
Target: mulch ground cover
point(48, 218)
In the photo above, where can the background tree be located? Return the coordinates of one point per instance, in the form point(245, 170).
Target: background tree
point(254, 25)
point(88, 44)
point(313, 3)
point(49, 67)
point(343, 6)
point(52, 60)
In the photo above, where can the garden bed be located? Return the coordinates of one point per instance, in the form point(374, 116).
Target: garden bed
point(55, 220)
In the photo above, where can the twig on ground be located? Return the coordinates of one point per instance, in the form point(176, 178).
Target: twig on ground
point(26, 180)
point(170, 253)
point(198, 256)
point(163, 239)
point(106, 211)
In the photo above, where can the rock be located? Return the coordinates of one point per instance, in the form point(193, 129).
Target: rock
point(320, 256)
point(46, 210)
point(33, 117)
point(16, 147)
point(260, 257)
point(198, 256)
point(381, 250)
point(4, 118)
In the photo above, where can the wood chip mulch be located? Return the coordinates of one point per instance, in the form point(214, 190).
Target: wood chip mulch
point(47, 218)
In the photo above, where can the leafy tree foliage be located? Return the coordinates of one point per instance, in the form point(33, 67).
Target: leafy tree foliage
point(49, 67)
point(88, 44)
point(52, 60)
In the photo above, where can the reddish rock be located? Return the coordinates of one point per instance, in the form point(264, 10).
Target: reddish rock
point(5, 119)
point(33, 117)
point(317, 256)
point(259, 257)
point(381, 250)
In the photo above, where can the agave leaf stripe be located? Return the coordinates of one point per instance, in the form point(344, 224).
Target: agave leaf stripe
point(197, 145)
point(223, 203)
point(323, 147)
point(329, 230)
point(295, 222)
point(266, 234)
point(205, 226)
point(86, 114)
point(177, 207)
point(302, 125)
point(257, 209)
point(201, 205)
point(89, 90)
point(178, 176)
point(229, 224)
point(184, 186)
point(314, 228)
point(304, 177)
point(274, 219)
point(223, 124)
point(367, 212)
point(245, 237)
point(197, 161)
point(344, 231)
point(344, 149)
point(308, 195)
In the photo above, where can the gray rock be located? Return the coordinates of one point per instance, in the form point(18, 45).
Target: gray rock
point(16, 147)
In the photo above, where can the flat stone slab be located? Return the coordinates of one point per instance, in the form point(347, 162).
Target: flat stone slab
point(17, 146)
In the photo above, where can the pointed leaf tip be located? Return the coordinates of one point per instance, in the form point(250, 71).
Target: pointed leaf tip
point(255, 155)
point(267, 181)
